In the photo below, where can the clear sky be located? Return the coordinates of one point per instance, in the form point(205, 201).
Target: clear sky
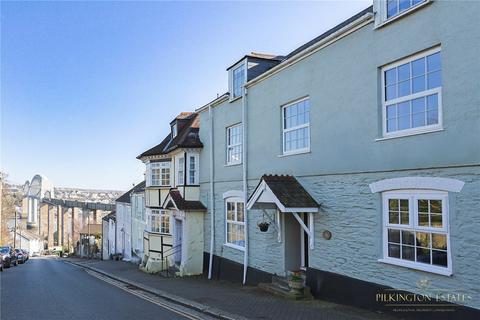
point(87, 86)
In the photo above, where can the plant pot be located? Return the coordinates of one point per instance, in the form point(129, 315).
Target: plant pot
point(296, 287)
point(263, 226)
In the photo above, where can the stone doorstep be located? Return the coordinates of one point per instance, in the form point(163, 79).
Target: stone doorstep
point(211, 311)
point(281, 291)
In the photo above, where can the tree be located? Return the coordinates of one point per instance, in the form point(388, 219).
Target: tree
point(8, 201)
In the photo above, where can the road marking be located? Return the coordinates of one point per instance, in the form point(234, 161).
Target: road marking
point(138, 293)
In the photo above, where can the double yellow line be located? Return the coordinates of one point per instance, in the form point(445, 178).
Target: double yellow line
point(143, 296)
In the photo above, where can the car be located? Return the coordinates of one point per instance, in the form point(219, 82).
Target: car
point(9, 256)
point(1, 263)
point(21, 258)
point(27, 255)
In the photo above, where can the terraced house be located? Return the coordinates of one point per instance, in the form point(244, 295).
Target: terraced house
point(354, 158)
point(174, 230)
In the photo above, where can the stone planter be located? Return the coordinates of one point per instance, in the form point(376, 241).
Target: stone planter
point(296, 284)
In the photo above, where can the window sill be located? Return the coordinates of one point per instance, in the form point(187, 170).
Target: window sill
point(294, 153)
point(411, 133)
point(404, 13)
point(234, 246)
point(233, 164)
point(159, 233)
point(416, 266)
point(234, 99)
point(156, 187)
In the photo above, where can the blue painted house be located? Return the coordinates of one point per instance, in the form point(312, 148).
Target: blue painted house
point(360, 150)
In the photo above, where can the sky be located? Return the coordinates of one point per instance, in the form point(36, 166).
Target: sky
point(87, 86)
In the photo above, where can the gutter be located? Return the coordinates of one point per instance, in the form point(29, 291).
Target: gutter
point(354, 26)
point(214, 102)
point(212, 200)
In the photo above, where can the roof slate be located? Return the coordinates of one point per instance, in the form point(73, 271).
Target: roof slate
point(185, 205)
point(125, 198)
point(289, 191)
point(187, 137)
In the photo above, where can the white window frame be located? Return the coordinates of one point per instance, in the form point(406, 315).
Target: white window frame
point(231, 146)
point(161, 166)
point(413, 196)
point(243, 63)
point(400, 13)
point(285, 131)
point(180, 168)
point(425, 93)
point(381, 12)
point(161, 215)
point(189, 174)
point(174, 130)
point(235, 200)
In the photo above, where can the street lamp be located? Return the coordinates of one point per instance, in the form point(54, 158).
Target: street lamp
point(17, 209)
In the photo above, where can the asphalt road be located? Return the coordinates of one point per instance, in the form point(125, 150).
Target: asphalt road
point(46, 288)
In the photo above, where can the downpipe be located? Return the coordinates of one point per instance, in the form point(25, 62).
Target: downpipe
point(212, 197)
point(245, 184)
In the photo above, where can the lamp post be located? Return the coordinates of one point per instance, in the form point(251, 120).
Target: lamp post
point(17, 208)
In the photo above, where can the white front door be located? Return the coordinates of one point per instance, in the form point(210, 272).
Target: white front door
point(178, 241)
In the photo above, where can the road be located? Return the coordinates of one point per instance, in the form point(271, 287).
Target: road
point(48, 288)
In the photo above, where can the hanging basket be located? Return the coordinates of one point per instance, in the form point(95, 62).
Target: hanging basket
point(263, 226)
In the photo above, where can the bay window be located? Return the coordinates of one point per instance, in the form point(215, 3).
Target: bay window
point(159, 221)
point(180, 171)
point(193, 169)
point(159, 173)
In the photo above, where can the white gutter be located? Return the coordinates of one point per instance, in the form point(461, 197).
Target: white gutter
point(213, 103)
point(352, 27)
point(245, 183)
point(212, 198)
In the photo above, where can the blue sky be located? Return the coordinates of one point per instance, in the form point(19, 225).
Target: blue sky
point(87, 86)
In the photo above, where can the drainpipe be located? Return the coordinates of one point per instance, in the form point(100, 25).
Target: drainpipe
point(212, 197)
point(245, 183)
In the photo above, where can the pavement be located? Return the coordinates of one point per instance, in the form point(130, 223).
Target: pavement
point(225, 300)
point(50, 289)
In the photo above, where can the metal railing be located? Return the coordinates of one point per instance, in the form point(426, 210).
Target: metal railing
point(166, 255)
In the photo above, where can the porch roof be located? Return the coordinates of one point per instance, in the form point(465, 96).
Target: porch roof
point(176, 201)
point(285, 192)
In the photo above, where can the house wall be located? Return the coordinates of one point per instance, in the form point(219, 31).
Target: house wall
point(138, 222)
point(124, 220)
point(105, 238)
point(343, 83)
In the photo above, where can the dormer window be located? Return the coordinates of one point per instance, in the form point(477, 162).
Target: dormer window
point(395, 7)
point(238, 80)
point(174, 130)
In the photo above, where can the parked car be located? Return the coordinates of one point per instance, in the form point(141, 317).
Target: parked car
point(21, 258)
point(1, 263)
point(9, 256)
point(27, 255)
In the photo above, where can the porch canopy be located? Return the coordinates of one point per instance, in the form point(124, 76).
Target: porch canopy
point(174, 200)
point(287, 195)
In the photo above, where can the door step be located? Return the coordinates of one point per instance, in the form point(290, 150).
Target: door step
point(280, 287)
